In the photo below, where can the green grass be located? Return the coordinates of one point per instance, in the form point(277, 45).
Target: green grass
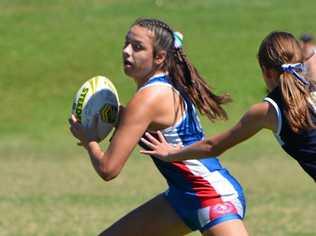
point(48, 48)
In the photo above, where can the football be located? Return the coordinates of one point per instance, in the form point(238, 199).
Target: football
point(97, 99)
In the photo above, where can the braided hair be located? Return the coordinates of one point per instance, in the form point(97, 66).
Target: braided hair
point(183, 74)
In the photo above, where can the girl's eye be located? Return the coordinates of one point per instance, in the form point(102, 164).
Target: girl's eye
point(137, 47)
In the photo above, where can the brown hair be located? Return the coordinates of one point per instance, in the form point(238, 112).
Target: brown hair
point(280, 48)
point(182, 73)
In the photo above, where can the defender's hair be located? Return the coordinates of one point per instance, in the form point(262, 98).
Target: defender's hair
point(182, 73)
point(280, 48)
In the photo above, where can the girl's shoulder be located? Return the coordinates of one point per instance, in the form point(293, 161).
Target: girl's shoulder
point(154, 96)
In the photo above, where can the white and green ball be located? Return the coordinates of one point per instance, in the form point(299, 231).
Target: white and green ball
point(99, 96)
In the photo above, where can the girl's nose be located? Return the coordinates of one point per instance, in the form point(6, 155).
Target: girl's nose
point(127, 49)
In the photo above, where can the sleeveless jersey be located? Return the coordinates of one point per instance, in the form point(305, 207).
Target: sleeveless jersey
point(202, 181)
point(301, 146)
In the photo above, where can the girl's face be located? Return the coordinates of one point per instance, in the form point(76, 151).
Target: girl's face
point(138, 54)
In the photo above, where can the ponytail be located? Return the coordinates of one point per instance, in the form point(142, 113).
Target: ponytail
point(297, 100)
point(187, 78)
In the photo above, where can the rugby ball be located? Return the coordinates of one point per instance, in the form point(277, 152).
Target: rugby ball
point(97, 97)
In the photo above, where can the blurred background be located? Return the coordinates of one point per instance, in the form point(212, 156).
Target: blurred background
point(48, 48)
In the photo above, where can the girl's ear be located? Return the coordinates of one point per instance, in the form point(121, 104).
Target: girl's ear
point(160, 57)
point(269, 73)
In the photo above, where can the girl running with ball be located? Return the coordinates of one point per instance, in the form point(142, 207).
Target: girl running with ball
point(201, 194)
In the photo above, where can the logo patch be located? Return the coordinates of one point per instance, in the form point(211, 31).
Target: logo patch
point(221, 209)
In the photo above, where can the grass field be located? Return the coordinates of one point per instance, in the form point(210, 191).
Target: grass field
point(48, 48)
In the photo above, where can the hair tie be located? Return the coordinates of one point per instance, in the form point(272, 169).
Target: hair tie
point(294, 69)
point(178, 40)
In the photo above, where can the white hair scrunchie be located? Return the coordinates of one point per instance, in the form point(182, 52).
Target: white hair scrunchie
point(178, 40)
point(294, 69)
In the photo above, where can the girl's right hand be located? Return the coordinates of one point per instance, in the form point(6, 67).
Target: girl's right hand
point(84, 135)
point(159, 148)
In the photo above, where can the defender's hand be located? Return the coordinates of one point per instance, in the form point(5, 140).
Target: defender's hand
point(159, 147)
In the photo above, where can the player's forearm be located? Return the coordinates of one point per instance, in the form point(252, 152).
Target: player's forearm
point(198, 150)
point(100, 161)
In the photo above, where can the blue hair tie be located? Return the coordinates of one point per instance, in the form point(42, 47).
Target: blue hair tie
point(294, 69)
point(178, 40)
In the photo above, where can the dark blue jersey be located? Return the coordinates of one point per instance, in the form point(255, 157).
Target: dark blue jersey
point(302, 145)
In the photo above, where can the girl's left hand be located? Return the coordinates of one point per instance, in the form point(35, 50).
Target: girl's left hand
point(84, 135)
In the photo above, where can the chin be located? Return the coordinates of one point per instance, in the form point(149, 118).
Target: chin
point(128, 72)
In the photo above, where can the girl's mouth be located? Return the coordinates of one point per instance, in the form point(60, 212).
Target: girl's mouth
point(127, 63)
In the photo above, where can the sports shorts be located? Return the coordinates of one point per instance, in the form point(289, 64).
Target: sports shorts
point(211, 211)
